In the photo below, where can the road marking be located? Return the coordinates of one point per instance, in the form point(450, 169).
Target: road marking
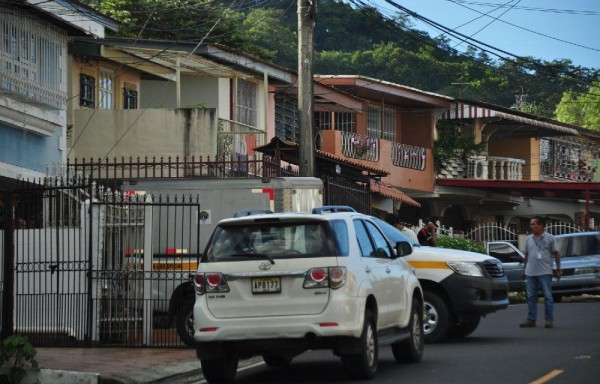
point(548, 377)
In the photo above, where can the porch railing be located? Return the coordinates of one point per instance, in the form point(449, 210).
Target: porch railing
point(483, 167)
point(360, 147)
point(172, 167)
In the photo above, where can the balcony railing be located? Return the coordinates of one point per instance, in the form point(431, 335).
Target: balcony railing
point(483, 167)
point(238, 139)
point(408, 156)
point(360, 147)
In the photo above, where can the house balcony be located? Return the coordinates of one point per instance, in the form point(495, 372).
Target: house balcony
point(408, 166)
point(162, 132)
point(482, 167)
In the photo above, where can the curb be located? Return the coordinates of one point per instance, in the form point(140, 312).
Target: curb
point(172, 373)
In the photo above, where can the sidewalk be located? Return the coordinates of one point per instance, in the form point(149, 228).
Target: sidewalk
point(123, 365)
point(120, 365)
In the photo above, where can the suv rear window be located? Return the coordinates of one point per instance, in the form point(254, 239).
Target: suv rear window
point(274, 240)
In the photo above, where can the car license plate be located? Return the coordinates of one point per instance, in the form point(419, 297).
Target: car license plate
point(266, 284)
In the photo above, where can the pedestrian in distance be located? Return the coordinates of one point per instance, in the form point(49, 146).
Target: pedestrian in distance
point(540, 251)
point(395, 221)
point(427, 235)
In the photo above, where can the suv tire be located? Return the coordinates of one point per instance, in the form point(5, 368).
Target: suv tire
point(184, 323)
point(363, 365)
point(437, 317)
point(221, 369)
point(411, 350)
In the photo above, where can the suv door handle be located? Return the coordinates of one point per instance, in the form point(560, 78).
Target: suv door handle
point(388, 269)
point(368, 269)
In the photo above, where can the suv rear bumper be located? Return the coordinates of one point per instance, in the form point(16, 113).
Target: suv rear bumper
point(347, 314)
point(472, 295)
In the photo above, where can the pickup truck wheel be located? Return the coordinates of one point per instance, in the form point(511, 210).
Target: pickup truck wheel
point(184, 323)
point(221, 369)
point(277, 361)
point(411, 350)
point(437, 317)
point(465, 326)
point(363, 365)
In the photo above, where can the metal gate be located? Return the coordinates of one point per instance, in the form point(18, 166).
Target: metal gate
point(100, 267)
point(344, 192)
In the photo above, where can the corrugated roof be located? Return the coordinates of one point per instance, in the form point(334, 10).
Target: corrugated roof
point(392, 192)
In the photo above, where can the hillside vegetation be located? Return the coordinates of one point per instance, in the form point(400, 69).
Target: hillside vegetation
point(361, 41)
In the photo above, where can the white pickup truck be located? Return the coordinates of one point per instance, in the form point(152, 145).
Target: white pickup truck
point(459, 286)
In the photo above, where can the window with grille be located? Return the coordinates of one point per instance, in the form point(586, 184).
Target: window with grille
point(287, 117)
point(105, 89)
point(247, 104)
point(374, 121)
point(340, 121)
point(32, 57)
point(381, 123)
point(130, 98)
point(87, 91)
point(569, 159)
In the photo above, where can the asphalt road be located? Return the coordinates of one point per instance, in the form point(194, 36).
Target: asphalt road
point(497, 352)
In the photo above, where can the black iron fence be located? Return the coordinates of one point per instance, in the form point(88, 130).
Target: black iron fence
point(97, 267)
point(343, 192)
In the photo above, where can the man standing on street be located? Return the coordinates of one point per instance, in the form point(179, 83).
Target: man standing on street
point(540, 250)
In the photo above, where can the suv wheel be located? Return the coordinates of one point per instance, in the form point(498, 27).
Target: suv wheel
point(363, 365)
point(184, 323)
point(221, 369)
point(411, 350)
point(437, 317)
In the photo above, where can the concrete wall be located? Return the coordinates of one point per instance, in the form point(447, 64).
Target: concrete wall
point(199, 92)
point(144, 132)
point(527, 149)
point(20, 148)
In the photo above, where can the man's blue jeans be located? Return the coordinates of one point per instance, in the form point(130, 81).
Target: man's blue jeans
point(535, 284)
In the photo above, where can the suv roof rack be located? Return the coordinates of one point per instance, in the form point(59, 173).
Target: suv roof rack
point(250, 212)
point(333, 209)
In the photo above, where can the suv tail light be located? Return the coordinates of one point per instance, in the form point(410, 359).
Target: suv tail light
point(326, 277)
point(213, 282)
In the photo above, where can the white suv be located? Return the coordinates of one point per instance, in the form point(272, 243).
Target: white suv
point(280, 284)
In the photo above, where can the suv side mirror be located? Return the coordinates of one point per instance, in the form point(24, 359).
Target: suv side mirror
point(403, 248)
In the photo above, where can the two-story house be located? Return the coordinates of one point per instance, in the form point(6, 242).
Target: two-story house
point(135, 101)
point(33, 81)
point(517, 165)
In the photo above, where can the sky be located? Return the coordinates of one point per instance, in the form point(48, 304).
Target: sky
point(544, 29)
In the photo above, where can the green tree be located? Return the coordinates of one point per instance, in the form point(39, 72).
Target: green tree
point(581, 109)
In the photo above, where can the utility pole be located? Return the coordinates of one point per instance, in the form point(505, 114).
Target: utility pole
point(306, 145)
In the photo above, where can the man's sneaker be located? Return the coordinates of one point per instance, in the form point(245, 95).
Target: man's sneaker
point(528, 324)
point(549, 324)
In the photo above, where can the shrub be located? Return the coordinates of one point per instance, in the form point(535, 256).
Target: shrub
point(459, 243)
point(16, 355)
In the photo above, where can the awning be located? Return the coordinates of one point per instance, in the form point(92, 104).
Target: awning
point(288, 151)
point(392, 193)
point(511, 123)
point(164, 63)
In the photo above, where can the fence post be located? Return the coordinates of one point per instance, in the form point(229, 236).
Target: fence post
point(8, 290)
